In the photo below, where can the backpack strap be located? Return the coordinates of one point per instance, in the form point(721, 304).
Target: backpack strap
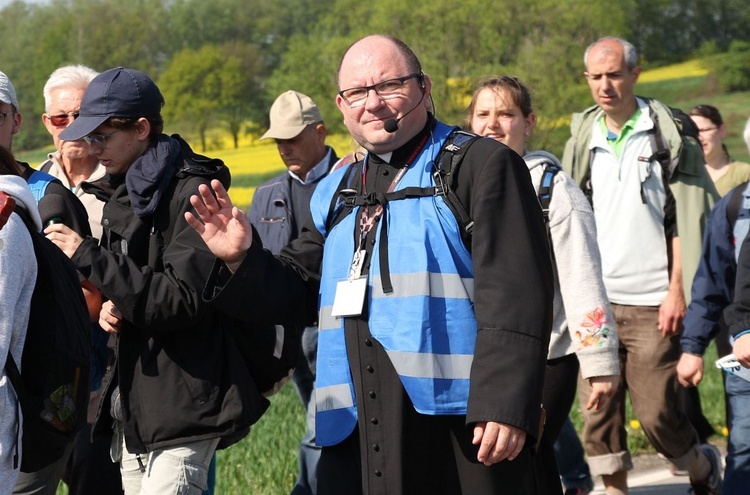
point(14, 377)
point(38, 182)
point(11, 368)
point(660, 152)
point(446, 168)
point(348, 187)
point(447, 163)
point(545, 188)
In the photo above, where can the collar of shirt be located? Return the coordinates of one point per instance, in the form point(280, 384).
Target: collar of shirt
point(318, 171)
point(618, 142)
point(401, 155)
point(634, 124)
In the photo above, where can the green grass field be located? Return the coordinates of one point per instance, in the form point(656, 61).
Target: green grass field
point(265, 463)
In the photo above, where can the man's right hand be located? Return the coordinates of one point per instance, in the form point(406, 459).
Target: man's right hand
point(690, 370)
point(224, 228)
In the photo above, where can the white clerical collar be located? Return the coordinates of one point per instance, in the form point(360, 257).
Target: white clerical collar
point(386, 157)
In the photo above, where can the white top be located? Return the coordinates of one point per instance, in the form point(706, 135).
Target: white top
point(582, 321)
point(17, 279)
point(630, 232)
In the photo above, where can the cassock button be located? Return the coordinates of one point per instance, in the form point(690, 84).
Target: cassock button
point(376, 447)
point(378, 473)
point(368, 342)
point(105, 222)
point(370, 369)
point(374, 421)
point(371, 393)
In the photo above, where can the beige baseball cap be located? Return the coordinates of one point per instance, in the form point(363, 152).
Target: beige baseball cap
point(290, 114)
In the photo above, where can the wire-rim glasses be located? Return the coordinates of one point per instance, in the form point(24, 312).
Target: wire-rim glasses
point(386, 90)
point(99, 140)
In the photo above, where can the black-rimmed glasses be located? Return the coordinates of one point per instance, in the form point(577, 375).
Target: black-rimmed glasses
point(3, 115)
point(386, 90)
point(63, 119)
point(99, 140)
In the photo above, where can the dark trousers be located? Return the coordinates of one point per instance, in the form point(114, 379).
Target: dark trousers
point(560, 381)
point(90, 468)
point(443, 465)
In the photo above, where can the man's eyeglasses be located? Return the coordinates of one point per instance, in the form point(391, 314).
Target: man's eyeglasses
point(386, 90)
point(3, 115)
point(99, 140)
point(63, 119)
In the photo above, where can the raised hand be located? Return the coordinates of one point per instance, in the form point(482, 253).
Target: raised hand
point(223, 227)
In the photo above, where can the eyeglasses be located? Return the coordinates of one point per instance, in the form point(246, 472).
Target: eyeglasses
point(99, 140)
point(63, 119)
point(386, 90)
point(707, 129)
point(3, 115)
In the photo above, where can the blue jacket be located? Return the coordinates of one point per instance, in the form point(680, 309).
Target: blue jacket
point(713, 285)
point(271, 213)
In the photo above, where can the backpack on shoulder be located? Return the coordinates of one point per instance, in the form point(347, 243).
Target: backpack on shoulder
point(53, 388)
point(446, 168)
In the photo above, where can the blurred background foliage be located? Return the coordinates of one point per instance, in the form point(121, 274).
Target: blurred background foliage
point(220, 64)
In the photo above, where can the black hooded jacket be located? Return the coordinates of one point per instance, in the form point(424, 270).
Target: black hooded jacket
point(180, 376)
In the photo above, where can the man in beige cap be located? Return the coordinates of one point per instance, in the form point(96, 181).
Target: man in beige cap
point(277, 212)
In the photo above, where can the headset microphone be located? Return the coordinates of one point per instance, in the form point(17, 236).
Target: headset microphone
point(391, 125)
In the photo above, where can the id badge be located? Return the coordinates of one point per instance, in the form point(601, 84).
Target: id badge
point(350, 297)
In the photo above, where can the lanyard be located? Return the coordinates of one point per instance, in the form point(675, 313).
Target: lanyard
point(368, 218)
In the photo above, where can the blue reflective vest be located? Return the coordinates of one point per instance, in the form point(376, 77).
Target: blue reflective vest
point(426, 325)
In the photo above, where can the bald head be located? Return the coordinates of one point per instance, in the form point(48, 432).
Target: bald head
point(365, 65)
point(409, 57)
point(618, 46)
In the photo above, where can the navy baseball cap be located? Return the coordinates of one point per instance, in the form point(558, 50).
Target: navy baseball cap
point(115, 93)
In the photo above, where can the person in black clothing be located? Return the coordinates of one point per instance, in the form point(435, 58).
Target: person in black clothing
point(431, 353)
point(177, 389)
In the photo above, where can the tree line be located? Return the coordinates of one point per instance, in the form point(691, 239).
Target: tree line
point(221, 63)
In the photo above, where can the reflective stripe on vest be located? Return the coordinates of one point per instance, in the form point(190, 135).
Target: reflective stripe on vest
point(427, 325)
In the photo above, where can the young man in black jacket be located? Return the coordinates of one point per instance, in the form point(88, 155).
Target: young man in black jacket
point(176, 389)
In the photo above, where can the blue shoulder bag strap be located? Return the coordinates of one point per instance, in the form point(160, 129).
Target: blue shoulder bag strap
point(38, 183)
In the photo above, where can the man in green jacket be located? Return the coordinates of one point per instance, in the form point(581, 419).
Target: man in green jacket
point(651, 196)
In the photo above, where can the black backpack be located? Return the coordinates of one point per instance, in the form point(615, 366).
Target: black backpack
point(53, 389)
point(446, 169)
